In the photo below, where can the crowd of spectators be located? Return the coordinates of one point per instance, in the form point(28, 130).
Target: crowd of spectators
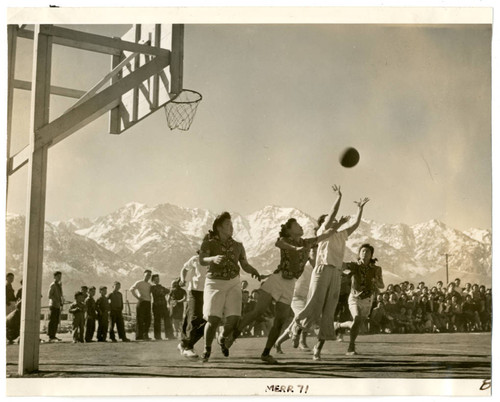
point(406, 308)
point(400, 308)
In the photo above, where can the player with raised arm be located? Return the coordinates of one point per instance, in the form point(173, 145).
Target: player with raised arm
point(299, 299)
point(280, 284)
point(324, 288)
point(222, 294)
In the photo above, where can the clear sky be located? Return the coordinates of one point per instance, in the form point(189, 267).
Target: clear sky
point(280, 103)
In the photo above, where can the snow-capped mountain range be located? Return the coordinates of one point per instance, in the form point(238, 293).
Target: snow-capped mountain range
point(119, 246)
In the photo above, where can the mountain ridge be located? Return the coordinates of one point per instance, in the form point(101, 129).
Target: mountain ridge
point(120, 245)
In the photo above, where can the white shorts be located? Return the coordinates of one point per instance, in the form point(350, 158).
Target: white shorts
point(280, 289)
point(359, 307)
point(222, 298)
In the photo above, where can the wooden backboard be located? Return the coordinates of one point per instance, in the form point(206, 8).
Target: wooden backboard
point(156, 91)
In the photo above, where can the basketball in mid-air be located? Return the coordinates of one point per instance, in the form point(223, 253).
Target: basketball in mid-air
point(349, 157)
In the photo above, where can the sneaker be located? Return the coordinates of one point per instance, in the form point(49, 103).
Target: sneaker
point(295, 334)
point(190, 354)
point(181, 349)
point(304, 347)
point(205, 357)
point(279, 351)
point(228, 342)
point(114, 340)
point(338, 332)
point(351, 351)
point(316, 354)
point(268, 359)
point(223, 347)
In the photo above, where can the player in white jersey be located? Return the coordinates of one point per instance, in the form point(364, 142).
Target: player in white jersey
point(325, 283)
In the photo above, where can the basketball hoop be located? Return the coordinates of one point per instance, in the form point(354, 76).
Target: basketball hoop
point(181, 109)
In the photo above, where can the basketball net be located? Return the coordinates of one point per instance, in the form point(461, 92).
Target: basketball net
point(181, 109)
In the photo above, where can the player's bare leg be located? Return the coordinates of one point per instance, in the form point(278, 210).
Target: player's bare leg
point(280, 319)
point(353, 335)
point(210, 331)
point(263, 303)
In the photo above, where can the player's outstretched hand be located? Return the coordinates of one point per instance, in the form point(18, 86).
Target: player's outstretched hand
point(343, 219)
point(361, 203)
point(336, 189)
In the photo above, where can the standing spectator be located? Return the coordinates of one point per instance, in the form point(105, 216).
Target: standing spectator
point(245, 294)
point(470, 313)
point(56, 302)
point(19, 293)
point(438, 314)
point(467, 290)
point(102, 309)
point(85, 290)
point(141, 290)
point(411, 290)
point(78, 310)
point(116, 313)
point(419, 288)
point(193, 325)
point(439, 286)
point(160, 309)
point(451, 291)
point(91, 315)
point(252, 302)
point(487, 314)
point(398, 291)
point(13, 324)
point(456, 314)
point(433, 295)
point(176, 301)
point(457, 282)
point(10, 295)
point(378, 317)
point(426, 307)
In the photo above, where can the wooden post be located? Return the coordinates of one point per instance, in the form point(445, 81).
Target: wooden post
point(35, 217)
point(156, 77)
point(12, 45)
point(114, 116)
point(137, 64)
point(177, 60)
